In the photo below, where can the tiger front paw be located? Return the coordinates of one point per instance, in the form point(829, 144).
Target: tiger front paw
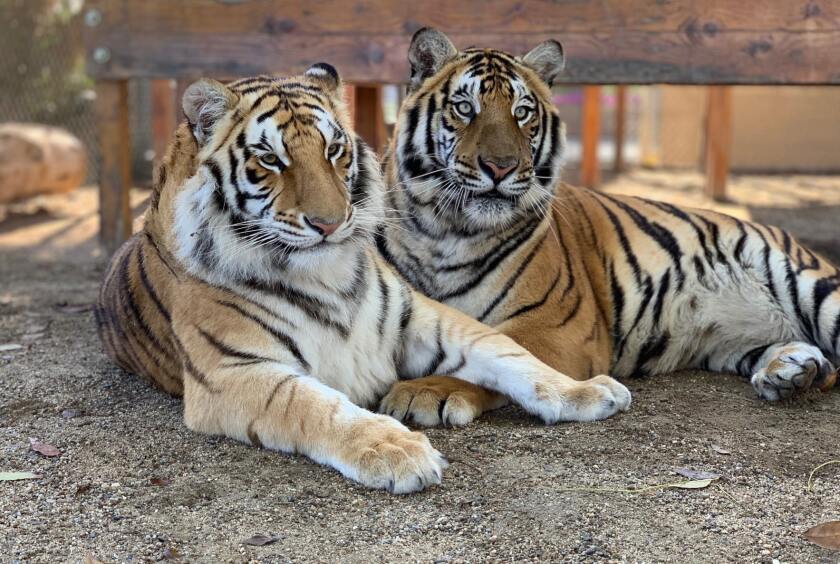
point(438, 400)
point(384, 454)
point(591, 400)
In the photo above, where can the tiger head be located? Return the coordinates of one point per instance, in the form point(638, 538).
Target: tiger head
point(479, 141)
point(278, 181)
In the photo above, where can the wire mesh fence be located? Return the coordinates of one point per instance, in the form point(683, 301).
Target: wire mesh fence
point(42, 65)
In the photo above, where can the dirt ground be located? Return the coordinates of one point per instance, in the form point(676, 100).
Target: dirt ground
point(132, 484)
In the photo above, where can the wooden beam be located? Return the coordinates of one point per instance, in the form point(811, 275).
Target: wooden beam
point(368, 117)
point(608, 41)
point(164, 115)
point(350, 101)
point(718, 140)
point(115, 166)
point(620, 121)
point(591, 130)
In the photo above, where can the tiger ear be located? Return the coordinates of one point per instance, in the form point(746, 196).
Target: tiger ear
point(547, 59)
point(205, 102)
point(428, 52)
point(326, 75)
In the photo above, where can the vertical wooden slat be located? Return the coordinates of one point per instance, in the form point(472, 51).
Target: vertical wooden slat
point(620, 121)
point(370, 122)
point(350, 100)
point(115, 166)
point(163, 115)
point(591, 128)
point(718, 140)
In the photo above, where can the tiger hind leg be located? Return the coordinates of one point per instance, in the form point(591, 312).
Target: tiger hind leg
point(439, 400)
point(784, 369)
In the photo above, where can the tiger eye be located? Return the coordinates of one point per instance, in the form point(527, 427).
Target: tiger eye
point(270, 159)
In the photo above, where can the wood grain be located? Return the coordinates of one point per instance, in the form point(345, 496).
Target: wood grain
point(115, 166)
point(607, 41)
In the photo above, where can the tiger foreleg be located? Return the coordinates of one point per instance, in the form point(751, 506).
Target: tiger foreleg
point(443, 340)
point(439, 400)
point(297, 414)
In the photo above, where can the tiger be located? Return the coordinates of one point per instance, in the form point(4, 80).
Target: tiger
point(590, 283)
point(255, 291)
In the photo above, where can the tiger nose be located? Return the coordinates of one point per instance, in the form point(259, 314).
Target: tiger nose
point(323, 226)
point(497, 167)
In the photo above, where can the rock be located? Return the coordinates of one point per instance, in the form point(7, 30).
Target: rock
point(38, 159)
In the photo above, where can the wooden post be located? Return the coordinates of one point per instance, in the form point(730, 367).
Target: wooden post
point(718, 140)
point(591, 129)
point(368, 118)
point(620, 120)
point(164, 115)
point(115, 165)
point(350, 100)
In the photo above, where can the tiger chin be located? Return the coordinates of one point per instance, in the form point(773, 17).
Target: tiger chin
point(255, 291)
point(588, 282)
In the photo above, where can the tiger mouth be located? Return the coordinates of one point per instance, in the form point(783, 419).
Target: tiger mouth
point(493, 195)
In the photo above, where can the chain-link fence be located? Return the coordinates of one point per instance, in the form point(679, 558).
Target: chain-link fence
point(42, 65)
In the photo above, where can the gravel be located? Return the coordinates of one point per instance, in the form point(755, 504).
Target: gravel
point(132, 484)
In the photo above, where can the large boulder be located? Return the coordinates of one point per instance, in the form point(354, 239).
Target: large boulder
point(38, 159)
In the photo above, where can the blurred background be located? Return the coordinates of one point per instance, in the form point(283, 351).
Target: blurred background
point(648, 140)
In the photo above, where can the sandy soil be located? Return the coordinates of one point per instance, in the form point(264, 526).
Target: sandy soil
point(133, 484)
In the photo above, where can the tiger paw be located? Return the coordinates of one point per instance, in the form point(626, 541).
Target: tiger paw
point(590, 400)
point(438, 400)
point(384, 454)
point(794, 368)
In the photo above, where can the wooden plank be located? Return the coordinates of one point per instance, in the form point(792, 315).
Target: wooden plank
point(115, 166)
point(368, 118)
point(620, 122)
point(350, 100)
point(607, 41)
point(386, 17)
point(718, 140)
point(164, 115)
point(590, 173)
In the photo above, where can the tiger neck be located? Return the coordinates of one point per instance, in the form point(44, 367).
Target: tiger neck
point(449, 264)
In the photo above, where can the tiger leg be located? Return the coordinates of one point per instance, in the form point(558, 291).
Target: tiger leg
point(443, 340)
point(268, 407)
point(449, 401)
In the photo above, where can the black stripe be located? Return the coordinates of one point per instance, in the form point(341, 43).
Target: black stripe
point(513, 279)
point(278, 335)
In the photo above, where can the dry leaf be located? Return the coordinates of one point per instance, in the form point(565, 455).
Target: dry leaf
point(720, 450)
point(696, 474)
point(11, 476)
point(827, 535)
point(43, 448)
point(8, 347)
point(90, 560)
point(70, 413)
point(82, 489)
point(160, 481)
point(261, 540)
point(693, 484)
point(171, 554)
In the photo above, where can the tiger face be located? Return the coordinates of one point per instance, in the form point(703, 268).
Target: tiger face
point(281, 181)
point(479, 139)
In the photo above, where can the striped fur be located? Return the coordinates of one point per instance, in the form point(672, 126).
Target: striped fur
point(255, 291)
point(588, 282)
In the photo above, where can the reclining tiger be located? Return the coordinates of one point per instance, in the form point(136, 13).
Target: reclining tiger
point(589, 282)
point(255, 291)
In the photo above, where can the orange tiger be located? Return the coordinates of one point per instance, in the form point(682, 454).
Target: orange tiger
point(255, 291)
point(588, 282)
